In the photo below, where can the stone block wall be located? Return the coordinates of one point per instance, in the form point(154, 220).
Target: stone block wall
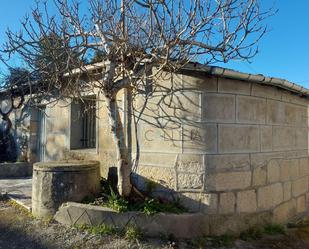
point(227, 147)
point(261, 162)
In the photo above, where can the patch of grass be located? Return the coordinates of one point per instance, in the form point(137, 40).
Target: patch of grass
point(99, 230)
point(255, 233)
point(130, 232)
point(133, 233)
point(274, 229)
point(103, 230)
point(82, 227)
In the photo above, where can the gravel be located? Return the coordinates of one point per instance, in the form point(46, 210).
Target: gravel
point(18, 229)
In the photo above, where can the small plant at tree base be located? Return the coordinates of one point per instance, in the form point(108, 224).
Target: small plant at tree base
point(117, 203)
point(152, 206)
point(109, 198)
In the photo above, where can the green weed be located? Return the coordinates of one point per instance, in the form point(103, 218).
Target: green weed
point(116, 202)
point(133, 233)
point(153, 206)
point(274, 229)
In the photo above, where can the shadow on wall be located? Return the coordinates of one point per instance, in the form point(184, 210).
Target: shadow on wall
point(204, 204)
point(201, 202)
point(14, 141)
point(171, 135)
point(8, 148)
point(216, 224)
point(21, 133)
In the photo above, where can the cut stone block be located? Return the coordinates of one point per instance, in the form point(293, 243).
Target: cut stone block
point(246, 201)
point(238, 138)
point(228, 181)
point(251, 110)
point(270, 196)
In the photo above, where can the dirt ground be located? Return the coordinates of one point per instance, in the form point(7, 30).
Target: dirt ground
point(19, 230)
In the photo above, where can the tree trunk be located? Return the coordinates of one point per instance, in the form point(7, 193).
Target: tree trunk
point(123, 162)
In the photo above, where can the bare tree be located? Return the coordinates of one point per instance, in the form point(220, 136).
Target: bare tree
point(132, 37)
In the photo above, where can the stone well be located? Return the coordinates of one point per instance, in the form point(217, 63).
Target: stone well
point(57, 182)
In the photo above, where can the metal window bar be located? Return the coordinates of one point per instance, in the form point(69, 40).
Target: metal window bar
point(89, 124)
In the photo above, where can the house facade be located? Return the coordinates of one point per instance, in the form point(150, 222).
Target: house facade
point(228, 144)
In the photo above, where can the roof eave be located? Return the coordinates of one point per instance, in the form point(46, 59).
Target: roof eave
point(256, 78)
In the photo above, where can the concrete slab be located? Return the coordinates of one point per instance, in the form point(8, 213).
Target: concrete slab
point(18, 189)
point(185, 225)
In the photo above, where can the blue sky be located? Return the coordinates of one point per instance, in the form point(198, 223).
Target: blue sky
point(284, 51)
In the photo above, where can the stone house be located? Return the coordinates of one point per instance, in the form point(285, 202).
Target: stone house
point(228, 144)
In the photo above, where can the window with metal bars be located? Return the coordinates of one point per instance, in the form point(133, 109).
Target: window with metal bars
point(83, 123)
